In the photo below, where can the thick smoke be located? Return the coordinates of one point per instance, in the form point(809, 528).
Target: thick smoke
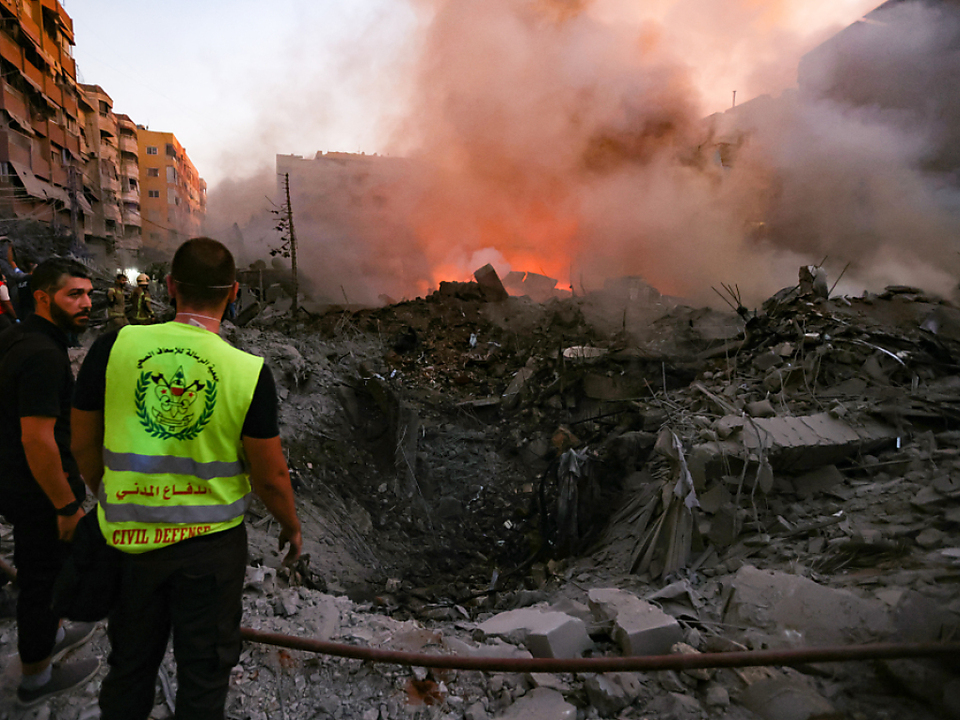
point(570, 138)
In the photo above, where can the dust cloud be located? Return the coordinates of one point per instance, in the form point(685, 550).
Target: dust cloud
point(581, 140)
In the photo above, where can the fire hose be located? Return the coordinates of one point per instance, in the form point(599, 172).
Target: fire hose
point(747, 658)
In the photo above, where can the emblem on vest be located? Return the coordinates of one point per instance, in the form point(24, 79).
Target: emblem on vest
point(175, 405)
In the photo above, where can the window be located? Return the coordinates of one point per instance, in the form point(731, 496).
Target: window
point(171, 174)
point(133, 183)
point(153, 172)
point(153, 193)
point(104, 108)
point(151, 150)
point(171, 150)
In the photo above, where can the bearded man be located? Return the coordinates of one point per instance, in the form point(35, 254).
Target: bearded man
point(40, 485)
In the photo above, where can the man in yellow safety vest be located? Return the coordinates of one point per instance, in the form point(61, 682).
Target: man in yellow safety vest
point(173, 430)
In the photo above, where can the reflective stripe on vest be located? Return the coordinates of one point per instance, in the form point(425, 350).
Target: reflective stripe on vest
point(177, 514)
point(166, 465)
point(175, 402)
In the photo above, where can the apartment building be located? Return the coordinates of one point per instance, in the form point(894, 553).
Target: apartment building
point(40, 137)
point(101, 168)
point(173, 196)
point(129, 169)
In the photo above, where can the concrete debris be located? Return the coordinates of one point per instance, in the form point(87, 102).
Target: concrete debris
point(794, 610)
point(489, 282)
point(795, 444)
point(787, 698)
point(638, 627)
point(540, 704)
point(608, 473)
point(545, 634)
point(611, 692)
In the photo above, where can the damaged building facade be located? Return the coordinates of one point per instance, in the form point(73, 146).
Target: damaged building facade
point(68, 161)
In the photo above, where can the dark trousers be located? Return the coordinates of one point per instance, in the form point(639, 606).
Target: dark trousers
point(194, 588)
point(39, 555)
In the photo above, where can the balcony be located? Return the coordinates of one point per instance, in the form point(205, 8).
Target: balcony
point(128, 144)
point(130, 169)
point(10, 50)
point(131, 217)
point(109, 183)
point(33, 75)
point(56, 134)
point(111, 211)
point(69, 66)
point(131, 195)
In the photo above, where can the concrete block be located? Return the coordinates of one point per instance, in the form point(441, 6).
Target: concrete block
point(489, 282)
point(540, 704)
point(638, 627)
point(610, 693)
point(795, 444)
point(794, 610)
point(545, 634)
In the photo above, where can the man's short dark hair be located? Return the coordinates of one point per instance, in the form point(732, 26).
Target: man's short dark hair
point(121, 275)
point(204, 271)
point(49, 275)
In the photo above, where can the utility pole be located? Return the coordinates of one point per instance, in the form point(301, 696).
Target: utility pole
point(293, 242)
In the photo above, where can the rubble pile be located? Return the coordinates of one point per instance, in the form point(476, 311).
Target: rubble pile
point(602, 475)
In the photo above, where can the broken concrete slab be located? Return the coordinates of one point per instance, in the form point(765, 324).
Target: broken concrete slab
point(794, 610)
point(638, 627)
point(609, 693)
point(795, 444)
point(544, 633)
point(540, 704)
point(489, 282)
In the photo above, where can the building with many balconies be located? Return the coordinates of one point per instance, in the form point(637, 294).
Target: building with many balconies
point(173, 196)
point(40, 155)
point(102, 169)
point(129, 181)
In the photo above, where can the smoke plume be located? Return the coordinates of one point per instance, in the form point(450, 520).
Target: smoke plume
point(573, 138)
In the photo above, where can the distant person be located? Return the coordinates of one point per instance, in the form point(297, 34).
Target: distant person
point(117, 303)
point(40, 486)
point(24, 294)
point(173, 429)
point(8, 316)
point(142, 312)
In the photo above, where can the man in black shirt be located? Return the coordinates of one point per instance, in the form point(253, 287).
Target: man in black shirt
point(40, 486)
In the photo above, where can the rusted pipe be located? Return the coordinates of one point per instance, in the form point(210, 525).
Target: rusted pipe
point(752, 658)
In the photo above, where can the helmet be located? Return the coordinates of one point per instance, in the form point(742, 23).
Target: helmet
point(143, 279)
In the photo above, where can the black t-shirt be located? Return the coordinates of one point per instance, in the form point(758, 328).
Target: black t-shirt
point(35, 381)
point(261, 421)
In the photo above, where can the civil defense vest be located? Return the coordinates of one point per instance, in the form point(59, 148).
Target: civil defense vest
point(176, 399)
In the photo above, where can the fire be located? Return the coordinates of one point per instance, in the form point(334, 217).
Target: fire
point(531, 237)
